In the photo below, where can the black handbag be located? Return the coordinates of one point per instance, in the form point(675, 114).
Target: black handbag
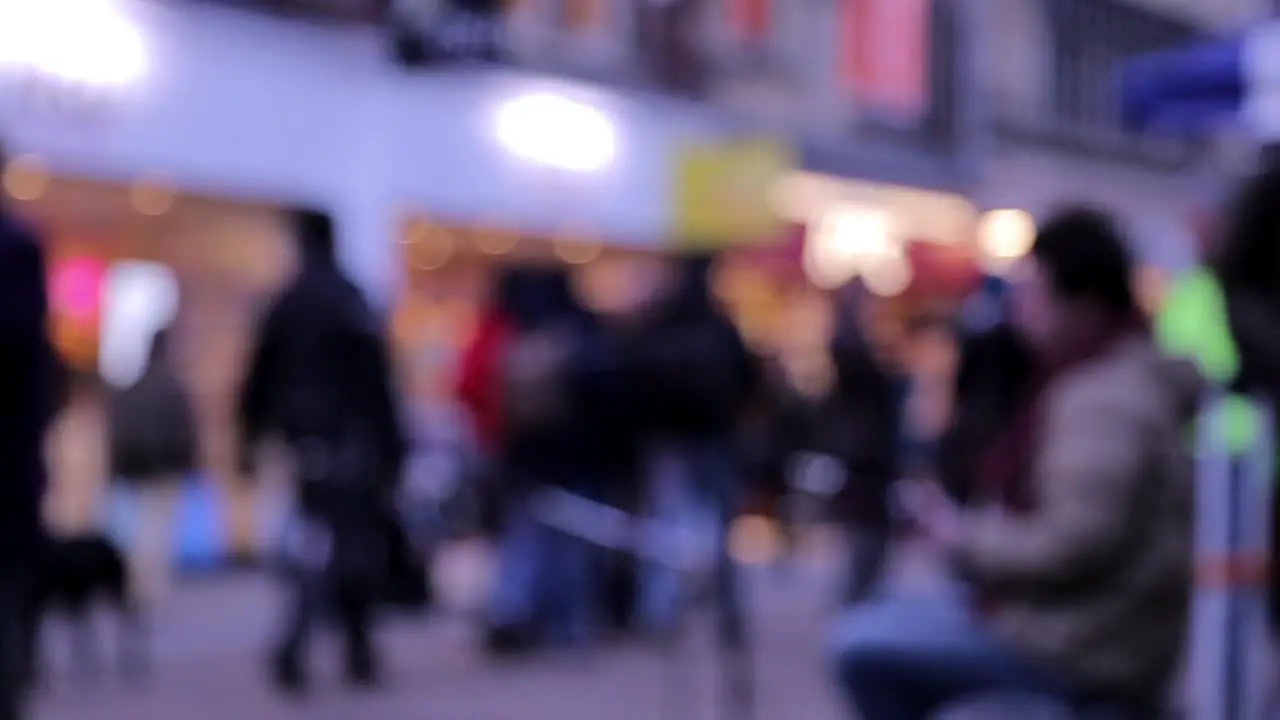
point(409, 586)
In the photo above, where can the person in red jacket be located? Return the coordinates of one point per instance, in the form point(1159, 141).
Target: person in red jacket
point(479, 387)
point(480, 392)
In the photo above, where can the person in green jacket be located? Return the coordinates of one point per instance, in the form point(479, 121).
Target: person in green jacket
point(1226, 315)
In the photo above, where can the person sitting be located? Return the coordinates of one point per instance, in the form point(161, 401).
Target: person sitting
point(1076, 575)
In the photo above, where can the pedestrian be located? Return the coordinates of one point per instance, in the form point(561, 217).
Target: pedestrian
point(480, 392)
point(320, 379)
point(1077, 581)
point(27, 401)
point(870, 392)
point(1245, 261)
point(992, 381)
point(700, 378)
point(153, 448)
point(547, 374)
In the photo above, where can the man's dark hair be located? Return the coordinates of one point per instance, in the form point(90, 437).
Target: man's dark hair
point(314, 231)
point(1085, 257)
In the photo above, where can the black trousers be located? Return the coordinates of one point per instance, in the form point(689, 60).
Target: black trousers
point(345, 589)
point(18, 630)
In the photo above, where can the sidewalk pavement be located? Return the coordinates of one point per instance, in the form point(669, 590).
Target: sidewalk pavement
point(210, 637)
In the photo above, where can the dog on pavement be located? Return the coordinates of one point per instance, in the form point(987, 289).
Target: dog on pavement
point(78, 575)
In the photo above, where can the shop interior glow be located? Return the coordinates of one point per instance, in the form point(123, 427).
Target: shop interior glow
point(1005, 236)
point(141, 299)
point(81, 42)
point(851, 241)
point(554, 131)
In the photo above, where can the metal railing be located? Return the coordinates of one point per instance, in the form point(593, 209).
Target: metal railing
point(785, 72)
point(1057, 84)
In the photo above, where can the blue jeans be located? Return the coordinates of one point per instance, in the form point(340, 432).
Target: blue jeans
point(544, 581)
point(906, 658)
point(693, 489)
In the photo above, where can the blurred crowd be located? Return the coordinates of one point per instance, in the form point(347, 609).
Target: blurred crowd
point(615, 452)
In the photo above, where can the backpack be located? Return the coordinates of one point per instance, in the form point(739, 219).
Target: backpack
point(535, 393)
point(152, 430)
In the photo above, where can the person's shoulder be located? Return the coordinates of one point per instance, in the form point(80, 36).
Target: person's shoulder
point(19, 244)
point(1123, 382)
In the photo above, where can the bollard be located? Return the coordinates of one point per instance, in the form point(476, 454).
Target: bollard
point(1228, 643)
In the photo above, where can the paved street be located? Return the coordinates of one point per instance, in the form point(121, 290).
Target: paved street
point(210, 636)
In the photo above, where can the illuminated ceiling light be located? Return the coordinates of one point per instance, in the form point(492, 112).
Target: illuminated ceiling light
point(414, 231)
point(554, 131)
point(85, 42)
point(888, 276)
point(846, 240)
point(432, 248)
point(1005, 236)
point(577, 252)
point(420, 231)
point(496, 242)
point(26, 178)
point(825, 270)
point(153, 196)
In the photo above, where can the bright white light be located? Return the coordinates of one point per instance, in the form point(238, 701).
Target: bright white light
point(1005, 236)
point(555, 131)
point(87, 42)
point(141, 299)
point(846, 241)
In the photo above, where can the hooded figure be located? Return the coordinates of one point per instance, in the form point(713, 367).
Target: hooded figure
point(321, 379)
point(700, 372)
point(699, 378)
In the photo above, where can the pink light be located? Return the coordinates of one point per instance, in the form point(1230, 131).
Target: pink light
point(76, 287)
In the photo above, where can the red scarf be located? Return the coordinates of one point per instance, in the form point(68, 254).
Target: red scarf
point(1005, 470)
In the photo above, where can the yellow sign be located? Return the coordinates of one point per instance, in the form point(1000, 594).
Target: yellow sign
point(722, 193)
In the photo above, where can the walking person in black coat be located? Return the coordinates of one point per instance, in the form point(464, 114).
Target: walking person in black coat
point(699, 378)
point(27, 401)
point(321, 379)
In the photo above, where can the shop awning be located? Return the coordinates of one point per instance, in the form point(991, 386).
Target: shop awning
point(1194, 90)
point(1185, 90)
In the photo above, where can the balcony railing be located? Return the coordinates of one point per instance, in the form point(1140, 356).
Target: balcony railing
point(1054, 80)
point(777, 62)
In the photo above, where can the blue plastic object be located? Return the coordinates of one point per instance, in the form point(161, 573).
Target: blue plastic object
point(202, 532)
point(1187, 90)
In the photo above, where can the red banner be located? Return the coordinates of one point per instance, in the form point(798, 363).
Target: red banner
point(751, 20)
point(884, 56)
point(583, 16)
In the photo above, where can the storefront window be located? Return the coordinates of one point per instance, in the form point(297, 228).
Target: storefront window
point(204, 269)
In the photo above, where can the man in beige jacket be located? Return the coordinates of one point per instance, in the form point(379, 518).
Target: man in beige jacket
point(1077, 569)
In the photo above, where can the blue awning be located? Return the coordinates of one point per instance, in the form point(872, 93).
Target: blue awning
point(1185, 91)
